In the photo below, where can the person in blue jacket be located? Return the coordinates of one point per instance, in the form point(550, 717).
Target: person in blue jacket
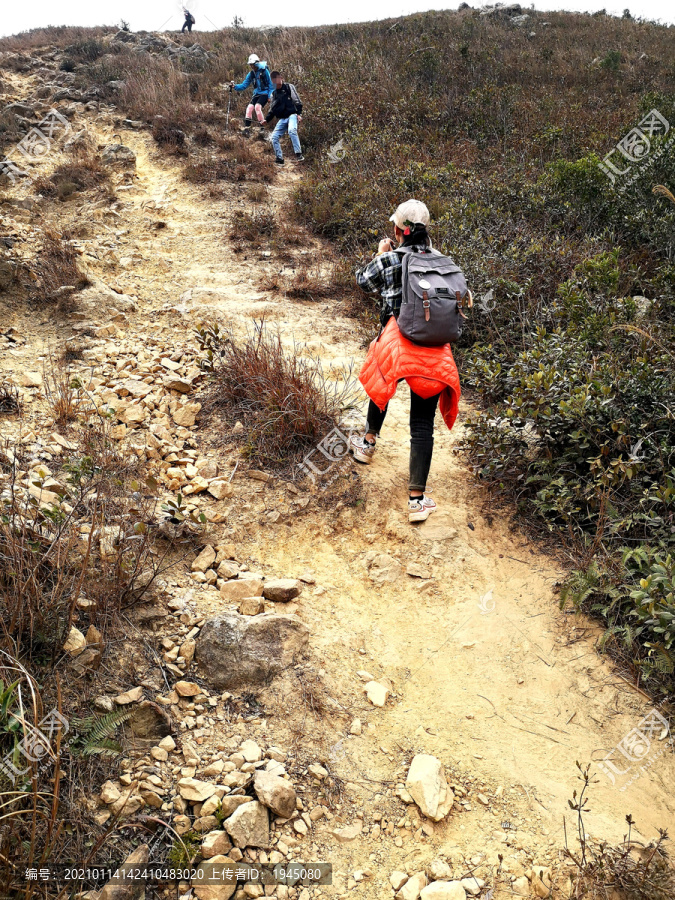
point(263, 89)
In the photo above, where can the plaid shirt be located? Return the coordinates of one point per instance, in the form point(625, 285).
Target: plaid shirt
point(384, 276)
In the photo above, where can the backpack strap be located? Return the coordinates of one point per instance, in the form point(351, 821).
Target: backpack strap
point(406, 253)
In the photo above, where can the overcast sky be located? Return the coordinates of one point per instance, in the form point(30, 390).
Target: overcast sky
point(155, 15)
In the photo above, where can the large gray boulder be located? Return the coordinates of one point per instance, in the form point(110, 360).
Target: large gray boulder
point(502, 12)
point(118, 154)
point(234, 650)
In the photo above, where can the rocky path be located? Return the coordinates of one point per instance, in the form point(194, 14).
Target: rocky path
point(456, 621)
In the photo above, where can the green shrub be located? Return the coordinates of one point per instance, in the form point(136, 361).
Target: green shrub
point(638, 603)
point(611, 61)
point(86, 51)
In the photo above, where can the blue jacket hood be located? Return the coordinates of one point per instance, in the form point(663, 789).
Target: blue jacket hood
point(260, 79)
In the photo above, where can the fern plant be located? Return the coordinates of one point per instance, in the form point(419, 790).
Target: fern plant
point(583, 586)
point(94, 734)
point(184, 850)
point(11, 729)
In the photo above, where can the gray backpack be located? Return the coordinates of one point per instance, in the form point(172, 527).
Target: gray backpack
point(434, 292)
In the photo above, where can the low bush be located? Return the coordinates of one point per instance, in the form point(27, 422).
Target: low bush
point(168, 134)
point(284, 401)
point(86, 51)
point(309, 283)
point(56, 268)
point(238, 160)
point(569, 349)
point(631, 869)
point(83, 174)
point(253, 227)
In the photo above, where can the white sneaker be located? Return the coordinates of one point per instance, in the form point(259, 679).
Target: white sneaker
point(363, 451)
point(420, 509)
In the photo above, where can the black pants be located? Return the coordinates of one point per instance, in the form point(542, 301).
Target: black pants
point(422, 414)
point(262, 99)
point(187, 25)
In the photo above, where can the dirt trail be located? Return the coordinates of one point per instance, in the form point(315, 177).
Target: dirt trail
point(486, 673)
point(486, 624)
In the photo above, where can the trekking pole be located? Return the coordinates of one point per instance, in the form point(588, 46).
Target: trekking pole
point(229, 100)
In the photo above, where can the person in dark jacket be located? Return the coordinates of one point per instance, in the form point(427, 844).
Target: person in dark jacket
point(189, 21)
point(263, 89)
point(286, 108)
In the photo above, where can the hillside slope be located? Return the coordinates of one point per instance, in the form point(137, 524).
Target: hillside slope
point(458, 619)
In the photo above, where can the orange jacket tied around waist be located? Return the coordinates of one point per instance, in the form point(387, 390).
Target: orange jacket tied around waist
point(428, 371)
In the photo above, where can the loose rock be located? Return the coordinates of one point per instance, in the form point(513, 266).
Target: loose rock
point(377, 693)
point(211, 891)
point(239, 589)
point(195, 790)
point(411, 889)
point(275, 793)
point(427, 786)
point(123, 887)
point(443, 890)
point(281, 590)
point(215, 843)
point(131, 696)
point(248, 826)
point(233, 650)
point(205, 560)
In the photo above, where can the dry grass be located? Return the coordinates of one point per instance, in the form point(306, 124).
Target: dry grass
point(313, 282)
point(254, 228)
point(159, 89)
point(236, 160)
point(662, 190)
point(272, 282)
point(65, 392)
point(51, 36)
point(56, 268)
point(310, 283)
point(284, 401)
point(84, 173)
point(83, 531)
point(257, 193)
point(169, 135)
point(9, 400)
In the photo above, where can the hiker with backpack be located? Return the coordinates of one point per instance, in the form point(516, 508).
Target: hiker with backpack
point(287, 109)
point(189, 21)
point(263, 89)
point(422, 293)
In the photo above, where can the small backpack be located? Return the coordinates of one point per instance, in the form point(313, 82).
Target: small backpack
point(434, 292)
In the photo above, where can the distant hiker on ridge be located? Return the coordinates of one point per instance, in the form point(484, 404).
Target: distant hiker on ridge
point(422, 294)
point(263, 89)
point(189, 21)
point(286, 108)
